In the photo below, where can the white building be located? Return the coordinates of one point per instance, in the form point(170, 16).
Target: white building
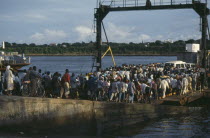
point(191, 55)
point(192, 47)
point(3, 45)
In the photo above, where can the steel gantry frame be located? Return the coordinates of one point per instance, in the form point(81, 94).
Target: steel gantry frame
point(101, 12)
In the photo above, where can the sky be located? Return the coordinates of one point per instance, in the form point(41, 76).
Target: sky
point(58, 21)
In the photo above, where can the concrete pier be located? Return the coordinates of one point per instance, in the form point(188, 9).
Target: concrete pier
point(191, 98)
point(81, 116)
point(182, 100)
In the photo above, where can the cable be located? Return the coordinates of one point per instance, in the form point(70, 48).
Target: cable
point(105, 33)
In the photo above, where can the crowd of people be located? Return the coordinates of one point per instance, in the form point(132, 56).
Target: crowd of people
point(127, 83)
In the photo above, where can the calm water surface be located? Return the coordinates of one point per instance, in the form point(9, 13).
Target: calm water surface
point(193, 125)
point(83, 64)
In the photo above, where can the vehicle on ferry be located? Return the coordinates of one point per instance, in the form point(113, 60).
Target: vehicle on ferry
point(179, 64)
point(176, 64)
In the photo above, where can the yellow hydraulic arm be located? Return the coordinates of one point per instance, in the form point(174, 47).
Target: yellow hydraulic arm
point(109, 49)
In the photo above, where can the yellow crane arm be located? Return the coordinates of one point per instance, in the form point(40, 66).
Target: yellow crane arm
point(112, 57)
point(106, 52)
point(109, 49)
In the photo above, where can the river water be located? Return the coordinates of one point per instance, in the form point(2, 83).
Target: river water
point(193, 125)
point(184, 126)
point(83, 64)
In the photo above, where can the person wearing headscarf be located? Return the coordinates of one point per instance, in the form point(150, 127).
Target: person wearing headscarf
point(9, 78)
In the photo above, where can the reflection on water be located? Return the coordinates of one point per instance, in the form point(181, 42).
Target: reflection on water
point(192, 125)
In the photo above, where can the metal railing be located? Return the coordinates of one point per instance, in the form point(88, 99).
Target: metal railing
point(136, 3)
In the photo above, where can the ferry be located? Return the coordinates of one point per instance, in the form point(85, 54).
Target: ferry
point(15, 60)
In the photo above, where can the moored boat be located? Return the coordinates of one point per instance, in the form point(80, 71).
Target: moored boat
point(15, 60)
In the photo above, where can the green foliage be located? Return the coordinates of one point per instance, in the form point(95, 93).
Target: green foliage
point(157, 47)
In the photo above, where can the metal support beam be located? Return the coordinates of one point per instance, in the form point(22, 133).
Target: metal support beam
point(204, 40)
point(98, 44)
point(99, 16)
point(160, 7)
point(203, 11)
point(199, 7)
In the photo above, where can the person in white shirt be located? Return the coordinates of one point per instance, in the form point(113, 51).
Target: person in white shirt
point(184, 85)
point(164, 85)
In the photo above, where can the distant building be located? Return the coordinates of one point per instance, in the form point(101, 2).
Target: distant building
point(53, 44)
point(3, 45)
point(192, 47)
point(64, 46)
point(191, 55)
point(169, 41)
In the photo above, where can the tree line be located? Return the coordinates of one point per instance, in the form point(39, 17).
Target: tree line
point(81, 48)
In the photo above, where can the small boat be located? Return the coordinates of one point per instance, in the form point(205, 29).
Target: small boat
point(15, 60)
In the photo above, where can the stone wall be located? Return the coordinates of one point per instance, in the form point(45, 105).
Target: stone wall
point(15, 109)
point(78, 116)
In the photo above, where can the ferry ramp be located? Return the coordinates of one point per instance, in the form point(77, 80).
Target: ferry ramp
point(188, 99)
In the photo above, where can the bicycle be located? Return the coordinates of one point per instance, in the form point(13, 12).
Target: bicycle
point(25, 90)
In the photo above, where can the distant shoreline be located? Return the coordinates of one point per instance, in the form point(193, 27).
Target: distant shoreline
point(106, 55)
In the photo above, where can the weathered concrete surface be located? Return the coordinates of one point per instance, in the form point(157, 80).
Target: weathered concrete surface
point(15, 109)
point(182, 100)
point(115, 116)
point(97, 117)
point(44, 114)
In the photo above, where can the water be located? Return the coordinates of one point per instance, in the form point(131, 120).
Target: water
point(83, 64)
point(193, 125)
point(185, 126)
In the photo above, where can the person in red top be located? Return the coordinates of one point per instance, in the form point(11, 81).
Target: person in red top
point(66, 77)
point(65, 82)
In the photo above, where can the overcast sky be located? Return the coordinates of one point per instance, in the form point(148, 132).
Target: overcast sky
point(57, 21)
